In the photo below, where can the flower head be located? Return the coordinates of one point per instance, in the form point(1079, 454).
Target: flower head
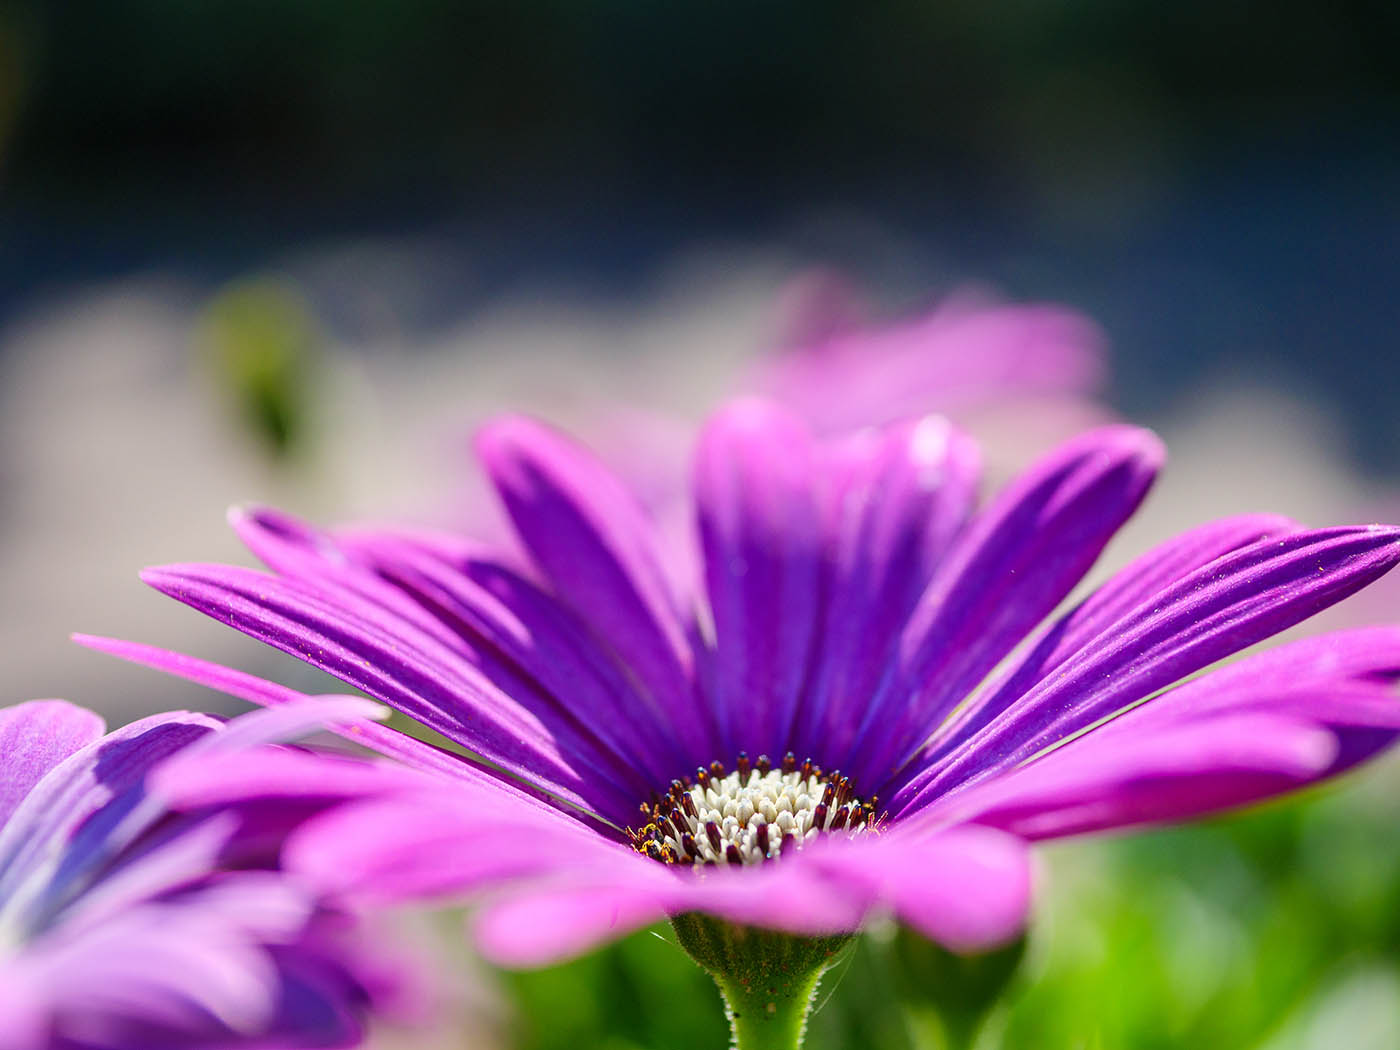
point(125, 923)
point(874, 704)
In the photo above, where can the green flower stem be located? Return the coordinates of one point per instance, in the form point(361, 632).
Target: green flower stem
point(768, 979)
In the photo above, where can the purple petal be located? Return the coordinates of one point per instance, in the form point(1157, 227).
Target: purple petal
point(967, 888)
point(191, 971)
point(1343, 681)
point(543, 641)
point(190, 781)
point(1149, 574)
point(1319, 668)
point(1017, 560)
point(35, 737)
point(901, 495)
point(1207, 615)
point(94, 778)
point(24, 1022)
point(964, 888)
point(533, 925)
point(382, 739)
point(504, 721)
point(960, 355)
point(761, 537)
point(1176, 773)
point(442, 845)
point(188, 852)
point(599, 552)
point(550, 925)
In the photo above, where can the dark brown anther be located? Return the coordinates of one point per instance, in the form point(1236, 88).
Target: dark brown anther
point(828, 794)
point(677, 821)
point(654, 851)
point(839, 820)
point(819, 817)
point(789, 763)
point(663, 826)
point(688, 844)
point(760, 835)
point(717, 769)
point(688, 804)
point(731, 854)
point(712, 833)
point(677, 790)
point(764, 765)
point(806, 768)
point(843, 791)
point(744, 767)
point(702, 777)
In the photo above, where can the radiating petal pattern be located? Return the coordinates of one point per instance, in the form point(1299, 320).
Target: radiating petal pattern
point(1013, 566)
point(877, 700)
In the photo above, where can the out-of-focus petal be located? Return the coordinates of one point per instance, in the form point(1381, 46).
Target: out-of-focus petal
point(958, 356)
point(88, 794)
point(35, 737)
point(967, 888)
point(443, 845)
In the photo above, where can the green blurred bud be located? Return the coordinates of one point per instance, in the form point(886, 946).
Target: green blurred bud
point(946, 996)
point(260, 339)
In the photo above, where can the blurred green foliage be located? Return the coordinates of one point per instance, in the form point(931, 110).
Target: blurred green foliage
point(1277, 928)
point(261, 339)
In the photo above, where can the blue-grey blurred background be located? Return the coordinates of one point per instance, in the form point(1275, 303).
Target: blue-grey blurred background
point(555, 195)
point(291, 251)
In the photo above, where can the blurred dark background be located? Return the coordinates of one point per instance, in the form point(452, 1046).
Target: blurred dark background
point(1216, 182)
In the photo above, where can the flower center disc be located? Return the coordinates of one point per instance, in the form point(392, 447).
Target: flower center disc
point(756, 813)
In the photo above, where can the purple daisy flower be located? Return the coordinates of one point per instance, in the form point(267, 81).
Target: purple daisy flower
point(875, 705)
point(126, 924)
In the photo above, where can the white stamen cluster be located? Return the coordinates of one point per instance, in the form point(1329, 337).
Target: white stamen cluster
point(750, 815)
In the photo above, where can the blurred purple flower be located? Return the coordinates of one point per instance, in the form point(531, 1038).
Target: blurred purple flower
point(126, 924)
point(968, 354)
point(633, 757)
point(1018, 375)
